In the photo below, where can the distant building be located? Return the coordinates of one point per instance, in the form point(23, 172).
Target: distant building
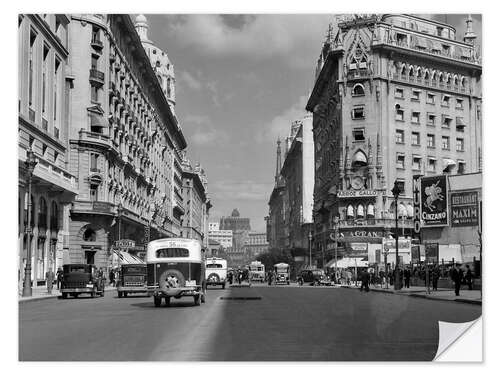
point(234, 222)
point(255, 244)
point(213, 226)
point(224, 237)
point(240, 228)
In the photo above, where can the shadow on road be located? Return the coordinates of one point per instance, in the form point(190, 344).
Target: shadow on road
point(173, 305)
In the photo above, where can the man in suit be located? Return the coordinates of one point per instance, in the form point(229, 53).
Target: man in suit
point(456, 276)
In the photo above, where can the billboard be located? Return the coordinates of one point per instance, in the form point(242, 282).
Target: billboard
point(434, 201)
point(432, 252)
point(464, 209)
point(415, 253)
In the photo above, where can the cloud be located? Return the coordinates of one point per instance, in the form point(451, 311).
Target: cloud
point(201, 131)
point(248, 190)
point(296, 38)
point(195, 82)
point(280, 125)
point(190, 81)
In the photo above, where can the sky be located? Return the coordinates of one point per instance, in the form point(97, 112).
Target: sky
point(240, 82)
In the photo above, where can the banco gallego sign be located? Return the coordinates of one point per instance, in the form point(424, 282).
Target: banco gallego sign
point(356, 193)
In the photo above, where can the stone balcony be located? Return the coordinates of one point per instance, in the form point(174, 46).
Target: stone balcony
point(94, 138)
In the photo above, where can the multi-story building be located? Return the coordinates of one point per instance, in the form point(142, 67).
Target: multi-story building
point(395, 96)
point(43, 98)
point(224, 237)
point(240, 227)
point(195, 198)
point(255, 244)
point(125, 142)
point(277, 233)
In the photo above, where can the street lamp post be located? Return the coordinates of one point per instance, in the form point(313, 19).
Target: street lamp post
point(30, 165)
point(396, 192)
point(310, 248)
point(335, 244)
point(119, 211)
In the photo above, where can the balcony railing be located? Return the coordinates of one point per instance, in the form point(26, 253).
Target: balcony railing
point(97, 43)
point(97, 76)
point(96, 138)
point(375, 222)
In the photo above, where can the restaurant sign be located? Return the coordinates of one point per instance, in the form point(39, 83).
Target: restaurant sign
point(125, 244)
point(464, 209)
point(356, 193)
point(434, 201)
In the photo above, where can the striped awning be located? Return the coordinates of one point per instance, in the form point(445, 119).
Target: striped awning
point(460, 121)
point(97, 120)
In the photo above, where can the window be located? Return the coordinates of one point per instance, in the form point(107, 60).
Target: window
point(461, 167)
point(417, 164)
point(445, 102)
point(446, 121)
point(95, 35)
point(94, 93)
point(358, 90)
point(89, 235)
point(459, 104)
point(94, 62)
point(400, 136)
point(172, 253)
point(431, 119)
point(154, 52)
point(415, 95)
point(42, 213)
point(460, 144)
point(431, 140)
point(400, 161)
point(401, 185)
point(30, 67)
point(56, 156)
point(460, 124)
point(415, 117)
point(93, 193)
point(415, 139)
point(400, 114)
point(399, 93)
point(445, 143)
point(57, 64)
point(360, 212)
point(432, 165)
point(358, 113)
point(93, 162)
point(431, 98)
point(350, 211)
point(358, 134)
point(44, 81)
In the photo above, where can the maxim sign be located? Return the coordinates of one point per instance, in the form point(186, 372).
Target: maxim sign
point(434, 201)
point(464, 209)
point(356, 193)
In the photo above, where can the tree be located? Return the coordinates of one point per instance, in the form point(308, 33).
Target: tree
point(273, 256)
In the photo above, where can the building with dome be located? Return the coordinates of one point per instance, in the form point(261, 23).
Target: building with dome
point(395, 96)
point(160, 62)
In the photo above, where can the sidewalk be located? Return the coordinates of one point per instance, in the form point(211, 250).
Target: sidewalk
point(39, 293)
point(466, 296)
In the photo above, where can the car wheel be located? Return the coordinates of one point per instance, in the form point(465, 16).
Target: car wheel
point(102, 292)
point(197, 300)
point(65, 295)
point(203, 298)
point(75, 295)
point(125, 294)
point(120, 295)
point(171, 279)
point(213, 278)
point(157, 301)
point(223, 285)
point(167, 301)
point(93, 293)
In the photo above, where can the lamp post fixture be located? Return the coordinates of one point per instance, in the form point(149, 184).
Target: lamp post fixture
point(310, 248)
point(335, 243)
point(119, 210)
point(30, 165)
point(386, 251)
point(396, 191)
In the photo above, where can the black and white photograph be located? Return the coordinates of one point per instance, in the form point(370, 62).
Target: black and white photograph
point(256, 187)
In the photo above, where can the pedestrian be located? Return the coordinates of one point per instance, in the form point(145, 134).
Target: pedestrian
point(435, 278)
point(349, 277)
point(49, 277)
point(468, 277)
point(59, 277)
point(365, 280)
point(111, 277)
point(406, 276)
point(456, 276)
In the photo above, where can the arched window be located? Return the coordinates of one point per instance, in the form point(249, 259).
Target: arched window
point(409, 210)
point(426, 75)
point(455, 80)
point(411, 72)
point(89, 235)
point(158, 64)
point(463, 82)
point(42, 213)
point(358, 90)
point(360, 212)
point(169, 90)
point(440, 77)
point(403, 70)
point(370, 211)
point(350, 211)
point(54, 223)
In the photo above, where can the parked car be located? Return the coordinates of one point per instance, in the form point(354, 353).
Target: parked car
point(133, 279)
point(81, 278)
point(312, 277)
point(257, 271)
point(176, 268)
point(282, 273)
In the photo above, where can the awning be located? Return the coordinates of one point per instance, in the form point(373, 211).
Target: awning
point(97, 120)
point(460, 121)
point(122, 257)
point(402, 210)
point(347, 263)
point(359, 157)
point(448, 163)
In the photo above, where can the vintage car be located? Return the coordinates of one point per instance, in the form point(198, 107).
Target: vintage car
point(257, 271)
point(133, 279)
point(282, 273)
point(176, 268)
point(81, 278)
point(313, 276)
point(216, 271)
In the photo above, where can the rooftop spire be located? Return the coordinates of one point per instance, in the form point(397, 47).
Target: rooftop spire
point(470, 36)
point(278, 162)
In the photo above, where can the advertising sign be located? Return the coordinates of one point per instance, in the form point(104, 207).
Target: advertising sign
point(464, 209)
point(125, 244)
point(434, 201)
point(432, 252)
point(358, 249)
point(356, 193)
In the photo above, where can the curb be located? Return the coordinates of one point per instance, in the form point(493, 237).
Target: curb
point(52, 296)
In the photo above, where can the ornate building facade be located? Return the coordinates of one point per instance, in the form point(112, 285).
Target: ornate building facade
point(125, 142)
point(43, 99)
point(395, 96)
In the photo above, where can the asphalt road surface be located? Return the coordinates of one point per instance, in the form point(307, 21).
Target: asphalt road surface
point(257, 323)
